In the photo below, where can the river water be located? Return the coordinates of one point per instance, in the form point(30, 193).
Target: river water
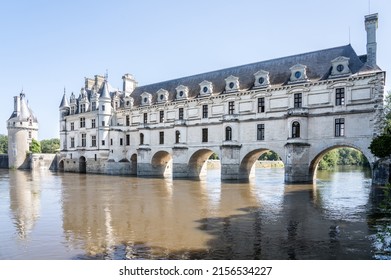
point(46, 215)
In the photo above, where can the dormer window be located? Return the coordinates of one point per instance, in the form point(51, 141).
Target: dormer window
point(298, 73)
point(206, 88)
point(129, 102)
point(231, 84)
point(182, 92)
point(340, 66)
point(146, 98)
point(261, 79)
point(162, 95)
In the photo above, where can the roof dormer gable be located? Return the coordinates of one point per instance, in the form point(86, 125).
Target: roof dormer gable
point(231, 84)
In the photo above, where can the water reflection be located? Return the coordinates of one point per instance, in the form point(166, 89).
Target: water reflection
point(25, 196)
point(108, 217)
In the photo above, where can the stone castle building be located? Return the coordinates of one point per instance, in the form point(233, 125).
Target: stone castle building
point(299, 106)
point(22, 127)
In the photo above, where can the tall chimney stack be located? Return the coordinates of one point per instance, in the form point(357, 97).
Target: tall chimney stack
point(371, 26)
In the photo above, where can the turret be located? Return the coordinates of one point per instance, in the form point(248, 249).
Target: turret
point(105, 112)
point(22, 128)
point(64, 111)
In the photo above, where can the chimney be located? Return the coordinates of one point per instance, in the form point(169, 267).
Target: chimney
point(129, 84)
point(371, 26)
point(17, 105)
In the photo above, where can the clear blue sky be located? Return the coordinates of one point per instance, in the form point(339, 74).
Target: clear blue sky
point(46, 45)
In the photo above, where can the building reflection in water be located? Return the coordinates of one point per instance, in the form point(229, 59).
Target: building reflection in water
point(25, 198)
point(125, 217)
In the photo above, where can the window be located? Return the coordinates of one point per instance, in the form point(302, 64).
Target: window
point(204, 135)
point(145, 117)
point(261, 131)
point(228, 133)
point(261, 104)
point(339, 96)
point(103, 123)
point(29, 134)
point(72, 110)
point(82, 122)
point(72, 142)
point(204, 111)
point(93, 123)
point(121, 141)
point(161, 116)
point(295, 130)
point(30, 122)
point(103, 142)
point(95, 157)
point(127, 139)
point(72, 126)
point(93, 140)
point(103, 107)
point(231, 107)
point(297, 100)
point(82, 108)
point(111, 141)
point(141, 139)
point(177, 136)
point(339, 127)
point(180, 113)
point(83, 140)
point(161, 137)
point(127, 120)
point(93, 106)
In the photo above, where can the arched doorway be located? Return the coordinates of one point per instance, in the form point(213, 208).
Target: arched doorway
point(82, 165)
point(133, 164)
point(161, 165)
point(61, 166)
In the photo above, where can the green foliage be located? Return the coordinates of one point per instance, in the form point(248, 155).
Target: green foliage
point(329, 160)
point(3, 144)
point(381, 146)
point(50, 146)
point(214, 156)
point(387, 112)
point(342, 156)
point(269, 155)
point(35, 146)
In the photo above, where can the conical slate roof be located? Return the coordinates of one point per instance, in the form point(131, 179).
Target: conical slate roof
point(25, 111)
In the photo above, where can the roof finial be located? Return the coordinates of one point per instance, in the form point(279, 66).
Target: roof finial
point(107, 75)
point(65, 90)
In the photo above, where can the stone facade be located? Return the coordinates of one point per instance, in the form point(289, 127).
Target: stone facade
point(299, 106)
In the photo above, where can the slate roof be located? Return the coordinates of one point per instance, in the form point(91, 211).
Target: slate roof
point(25, 111)
point(318, 65)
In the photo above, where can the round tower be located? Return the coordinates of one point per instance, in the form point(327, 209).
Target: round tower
point(22, 128)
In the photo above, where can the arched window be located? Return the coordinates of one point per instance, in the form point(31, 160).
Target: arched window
point(177, 136)
point(295, 130)
point(141, 139)
point(228, 133)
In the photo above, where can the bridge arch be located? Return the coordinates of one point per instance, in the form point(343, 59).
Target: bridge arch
point(247, 164)
point(161, 164)
point(317, 158)
point(197, 163)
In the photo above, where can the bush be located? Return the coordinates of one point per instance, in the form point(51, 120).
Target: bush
point(381, 146)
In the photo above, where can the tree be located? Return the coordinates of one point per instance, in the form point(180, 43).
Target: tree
point(269, 155)
point(3, 144)
point(50, 146)
point(381, 145)
point(329, 160)
point(35, 146)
